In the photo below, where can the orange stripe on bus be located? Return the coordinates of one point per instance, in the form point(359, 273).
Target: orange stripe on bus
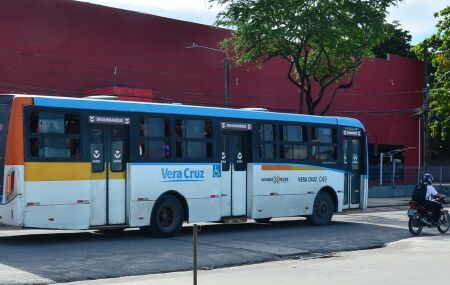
point(14, 143)
point(288, 167)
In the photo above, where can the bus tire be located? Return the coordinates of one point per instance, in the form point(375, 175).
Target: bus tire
point(167, 217)
point(323, 210)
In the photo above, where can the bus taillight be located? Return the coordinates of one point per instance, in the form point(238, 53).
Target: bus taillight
point(10, 183)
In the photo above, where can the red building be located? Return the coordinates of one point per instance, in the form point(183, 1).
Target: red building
point(69, 48)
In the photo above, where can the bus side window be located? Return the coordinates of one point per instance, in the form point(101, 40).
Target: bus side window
point(55, 136)
point(154, 138)
point(324, 144)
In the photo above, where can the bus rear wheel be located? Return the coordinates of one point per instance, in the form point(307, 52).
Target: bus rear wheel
point(167, 217)
point(323, 210)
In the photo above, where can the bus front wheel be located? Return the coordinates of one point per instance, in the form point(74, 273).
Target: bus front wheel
point(167, 217)
point(322, 210)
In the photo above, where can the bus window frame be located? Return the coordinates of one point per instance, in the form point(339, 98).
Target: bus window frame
point(28, 136)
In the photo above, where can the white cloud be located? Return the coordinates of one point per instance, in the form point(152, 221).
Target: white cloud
point(417, 17)
point(198, 11)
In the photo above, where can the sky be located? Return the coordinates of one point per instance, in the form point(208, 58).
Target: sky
point(415, 16)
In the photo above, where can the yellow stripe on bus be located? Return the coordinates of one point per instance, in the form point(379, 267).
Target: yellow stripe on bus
point(62, 171)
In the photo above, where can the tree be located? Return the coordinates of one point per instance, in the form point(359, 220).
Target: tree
point(439, 56)
point(398, 42)
point(324, 41)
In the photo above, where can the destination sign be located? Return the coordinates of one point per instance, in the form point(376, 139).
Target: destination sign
point(352, 132)
point(236, 126)
point(107, 120)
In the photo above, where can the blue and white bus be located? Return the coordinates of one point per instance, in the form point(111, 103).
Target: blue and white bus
point(89, 164)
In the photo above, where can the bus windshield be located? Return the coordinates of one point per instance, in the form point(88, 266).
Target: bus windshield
point(4, 118)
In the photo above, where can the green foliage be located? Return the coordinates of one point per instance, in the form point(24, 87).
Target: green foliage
point(439, 56)
point(397, 42)
point(324, 41)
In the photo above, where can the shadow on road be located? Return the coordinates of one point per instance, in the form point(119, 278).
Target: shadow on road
point(64, 257)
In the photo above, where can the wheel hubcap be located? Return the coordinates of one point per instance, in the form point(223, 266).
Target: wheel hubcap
point(322, 209)
point(166, 216)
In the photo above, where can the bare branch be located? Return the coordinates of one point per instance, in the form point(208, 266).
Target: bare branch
point(339, 87)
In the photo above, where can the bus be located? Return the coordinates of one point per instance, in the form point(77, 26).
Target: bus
point(76, 163)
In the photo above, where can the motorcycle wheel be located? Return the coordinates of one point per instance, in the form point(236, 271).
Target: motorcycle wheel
point(444, 223)
point(414, 225)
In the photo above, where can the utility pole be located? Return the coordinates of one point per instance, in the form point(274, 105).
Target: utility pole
point(226, 62)
point(425, 106)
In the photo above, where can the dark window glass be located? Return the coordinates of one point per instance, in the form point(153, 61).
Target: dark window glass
point(324, 152)
point(35, 148)
point(193, 139)
point(193, 149)
point(157, 149)
point(154, 141)
point(54, 148)
point(324, 135)
point(74, 145)
point(72, 124)
point(34, 122)
point(266, 132)
point(294, 151)
point(267, 138)
point(267, 151)
point(54, 136)
point(155, 127)
point(293, 142)
point(293, 134)
point(300, 152)
point(51, 123)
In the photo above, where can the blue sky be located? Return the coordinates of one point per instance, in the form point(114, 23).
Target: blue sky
point(414, 15)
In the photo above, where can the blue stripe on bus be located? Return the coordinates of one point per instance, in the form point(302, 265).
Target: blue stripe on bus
point(90, 104)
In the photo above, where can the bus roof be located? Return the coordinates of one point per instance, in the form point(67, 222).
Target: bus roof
point(163, 108)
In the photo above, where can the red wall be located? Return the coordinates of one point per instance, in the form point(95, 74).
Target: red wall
point(70, 48)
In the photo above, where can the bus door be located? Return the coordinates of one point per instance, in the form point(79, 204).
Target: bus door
point(235, 156)
point(353, 167)
point(108, 166)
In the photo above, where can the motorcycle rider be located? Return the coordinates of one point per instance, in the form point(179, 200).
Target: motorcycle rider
point(431, 194)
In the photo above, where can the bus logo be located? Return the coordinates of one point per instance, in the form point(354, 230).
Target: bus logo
point(117, 154)
point(182, 175)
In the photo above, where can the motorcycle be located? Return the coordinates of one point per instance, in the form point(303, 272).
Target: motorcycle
point(419, 217)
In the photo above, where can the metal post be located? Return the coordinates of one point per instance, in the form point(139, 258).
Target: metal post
point(419, 151)
point(393, 173)
point(227, 81)
point(440, 176)
point(381, 168)
point(195, 239)
point(425, 106)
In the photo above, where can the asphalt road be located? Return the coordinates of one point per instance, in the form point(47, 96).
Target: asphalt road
point(42, 257)
point(391, 265)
